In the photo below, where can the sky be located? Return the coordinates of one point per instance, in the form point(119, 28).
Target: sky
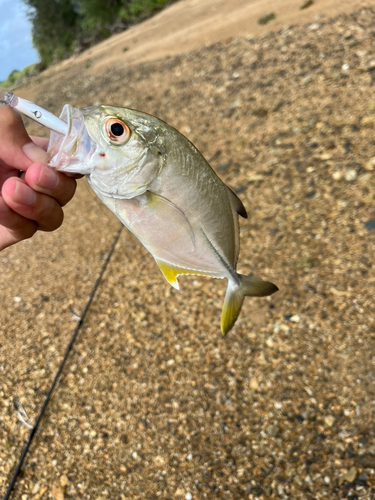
point(16, 49)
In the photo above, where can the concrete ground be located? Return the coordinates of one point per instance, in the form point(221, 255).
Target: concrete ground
point(153, 402)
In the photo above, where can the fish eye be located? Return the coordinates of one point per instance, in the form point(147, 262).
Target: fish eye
point(116, 130)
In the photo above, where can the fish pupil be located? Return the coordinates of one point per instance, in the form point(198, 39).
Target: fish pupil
point(117, 129)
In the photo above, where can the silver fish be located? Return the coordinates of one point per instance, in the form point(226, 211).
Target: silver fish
point(163, 190)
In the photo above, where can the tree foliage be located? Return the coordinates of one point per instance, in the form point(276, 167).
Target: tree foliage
point(61, 27)
point(55, 27)
point(99, 13)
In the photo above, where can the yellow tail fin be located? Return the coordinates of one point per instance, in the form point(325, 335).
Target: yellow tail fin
point(235, 294)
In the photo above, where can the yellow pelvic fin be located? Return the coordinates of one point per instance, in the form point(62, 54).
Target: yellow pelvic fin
point(171, 272)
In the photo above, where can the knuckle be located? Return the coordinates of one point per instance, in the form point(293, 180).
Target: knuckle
point(22, 230)
point(28, 231)
point(53, 222)
point(68, 191)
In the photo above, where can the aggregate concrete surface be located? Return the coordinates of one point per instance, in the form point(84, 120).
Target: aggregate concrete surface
point(153, 401)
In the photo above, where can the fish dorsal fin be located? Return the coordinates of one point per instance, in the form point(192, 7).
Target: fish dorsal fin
point(171, 272)
point(237, 209)
point(237, 204)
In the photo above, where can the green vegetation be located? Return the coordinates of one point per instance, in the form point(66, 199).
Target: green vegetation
point(16, 75)
point(266, 19)
point(307, 4)
point(63, 27)
point(55, 28)
point(139, 9)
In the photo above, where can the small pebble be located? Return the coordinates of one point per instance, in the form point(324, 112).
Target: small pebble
point(337, 176)
point(370, 165)
point(224, 166)
point(349, 476)
point(350, 175)
point(329, 420)
point(368, 120)
point(370, 225)
point(64, 481)
point(295, 318)
point(188, 496)
point(254, 384)
point(368, 460)
point(269, 342)
point(35, 488)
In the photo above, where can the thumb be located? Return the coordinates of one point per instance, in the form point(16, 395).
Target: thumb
point(35, 153)
point(16, 148)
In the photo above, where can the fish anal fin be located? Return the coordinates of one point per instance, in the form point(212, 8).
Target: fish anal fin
point(237, 204)
point(171, 272)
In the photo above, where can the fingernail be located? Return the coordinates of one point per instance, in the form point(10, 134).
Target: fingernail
point(48, 178)
point(34, 153)
point(23, 194)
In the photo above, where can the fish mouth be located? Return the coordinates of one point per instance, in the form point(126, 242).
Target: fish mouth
point(73, 151)
point(70, 147)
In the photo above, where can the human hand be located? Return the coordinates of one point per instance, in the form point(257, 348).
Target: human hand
point(32, 193)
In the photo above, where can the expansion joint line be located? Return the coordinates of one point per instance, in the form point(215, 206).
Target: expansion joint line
point(62, 364)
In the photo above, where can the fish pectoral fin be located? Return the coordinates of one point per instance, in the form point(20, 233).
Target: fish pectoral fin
point(170, 272)
point(237, 203)
point(177, 220)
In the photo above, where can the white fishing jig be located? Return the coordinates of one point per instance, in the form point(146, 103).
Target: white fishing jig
point(36, 113)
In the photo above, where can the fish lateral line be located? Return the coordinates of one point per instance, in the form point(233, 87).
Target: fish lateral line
point(223, 261)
